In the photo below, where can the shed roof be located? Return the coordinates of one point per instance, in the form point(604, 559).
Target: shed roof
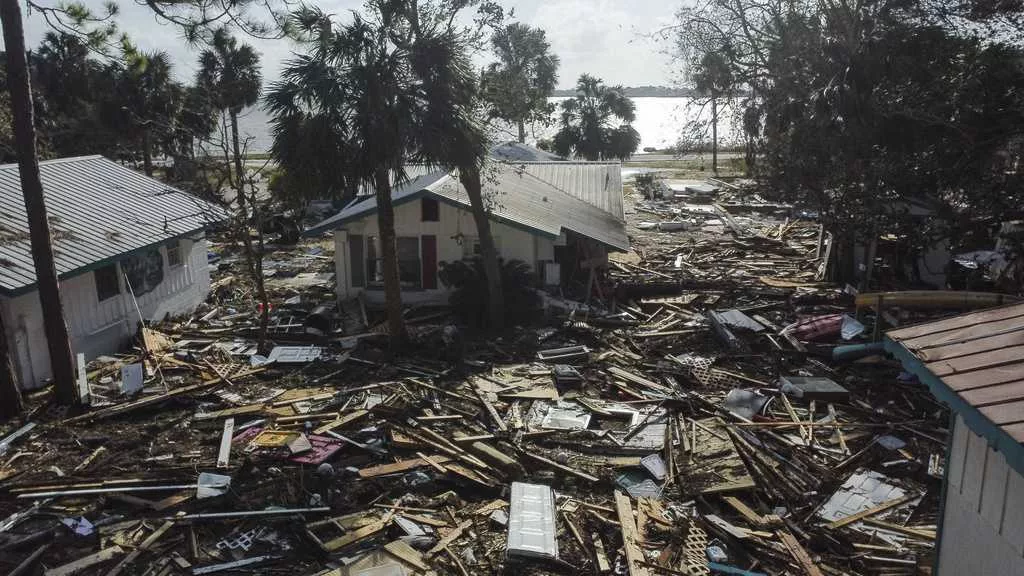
point(98, 210)
point(596, 183)
point(516, 196)
point(974, 363)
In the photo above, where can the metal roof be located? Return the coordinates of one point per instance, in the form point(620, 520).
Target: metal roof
point(98, 210)
point(517, 152)
point(515, 196)
point(974, 363)
point(596, 183)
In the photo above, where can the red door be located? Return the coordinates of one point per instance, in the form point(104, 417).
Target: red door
point(428, 245)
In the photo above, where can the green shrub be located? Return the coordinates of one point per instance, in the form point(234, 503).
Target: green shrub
point(469, 296)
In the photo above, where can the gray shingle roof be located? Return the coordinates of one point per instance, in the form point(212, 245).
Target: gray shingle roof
point(98, 210)
point(516, 196)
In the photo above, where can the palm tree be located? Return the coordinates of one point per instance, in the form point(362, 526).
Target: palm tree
point(713, 78)
point(518, 85)
point(146, 98)
point(230, 73)
point(389, 88)
point(588, 122)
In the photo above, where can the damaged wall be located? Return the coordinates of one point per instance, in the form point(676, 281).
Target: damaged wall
point(102, 327)
point(983, 514)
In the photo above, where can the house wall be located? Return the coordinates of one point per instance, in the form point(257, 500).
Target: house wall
point(105, 327)
point(983, 516)
point(513, 244)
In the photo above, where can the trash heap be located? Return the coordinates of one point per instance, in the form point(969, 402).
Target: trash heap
point(723, 411)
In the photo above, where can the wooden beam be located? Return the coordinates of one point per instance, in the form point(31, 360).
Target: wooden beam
point(630, 538)
point(798, 553)
point(871, 511)
point(563, 468)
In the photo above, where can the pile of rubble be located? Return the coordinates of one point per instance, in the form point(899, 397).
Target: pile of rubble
point(722, 412)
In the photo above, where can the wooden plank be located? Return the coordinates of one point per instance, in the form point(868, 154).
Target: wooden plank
point(563, 468)
point(1008, 413)
point(871, 511)
point(434, 465)
point(146, 545)
point(600, 557)
point(995, 320)
point(838, 429)
point(401, 466)
point(491, 411)
point(451, 536)
point(406, 553)
point(998, 394)
point(635, 379)
point(353, 536)
point(85, 562)
point(915, 532)
point(992, 341)
point(224, 454)
point(798, 553)
point(745, 511)
point(987, 377)
point(346, 419)
point(630, 538)
point(979, 361)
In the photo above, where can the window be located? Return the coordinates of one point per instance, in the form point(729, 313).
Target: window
point(409, 268)
point(430, 209)
point(144, 271)
point(174, 253)
point(471, 247)
point(106, 282)
point(358, 265)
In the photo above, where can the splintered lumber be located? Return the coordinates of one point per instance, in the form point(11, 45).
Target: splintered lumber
point(451, 536)
point(630, 538)
point(600, 557)
point(871, 511)
point(914, 532)
point(491, 410)
point(798, 553)
point(635, 379)
point(839, 431)
point(433, 464)
point(353, 536)
point(85, 562)
point(563, 468)
point(401, 466)
point(146, 545)
point(745, 511)
point(406, 553)
point(343, 420)
point(455, 559)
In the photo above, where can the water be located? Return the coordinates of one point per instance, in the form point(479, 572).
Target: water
point(661, 122)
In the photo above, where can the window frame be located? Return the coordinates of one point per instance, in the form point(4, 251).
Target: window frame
point(174, 245)
point(96, 275)
point(434, 214)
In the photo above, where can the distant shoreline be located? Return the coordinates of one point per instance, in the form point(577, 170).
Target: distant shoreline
point(639, 92)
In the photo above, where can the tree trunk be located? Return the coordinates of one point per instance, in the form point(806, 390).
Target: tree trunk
point(488, 252)
point(58, 343)
point(253, 257)
point(10, 394)
point(147, 153)
point(714, 136)
point(389, 253)
point(522, 132)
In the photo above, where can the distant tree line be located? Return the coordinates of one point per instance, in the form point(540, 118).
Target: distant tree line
point(855, 109)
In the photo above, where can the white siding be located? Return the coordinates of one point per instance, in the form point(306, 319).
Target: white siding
point(98, 328)
point(983, 515)
point(514, 244)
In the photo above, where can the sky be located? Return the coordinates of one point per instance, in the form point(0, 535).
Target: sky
point(607, 38)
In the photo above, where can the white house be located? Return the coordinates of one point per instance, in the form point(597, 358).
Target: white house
point(557, 216)
point(974, 364)
point(115, 233)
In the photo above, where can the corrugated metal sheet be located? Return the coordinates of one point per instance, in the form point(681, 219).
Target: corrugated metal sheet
point(98, 210)
point(516, 152)
point(531, 522)
point(514, 195)
point(596, 183)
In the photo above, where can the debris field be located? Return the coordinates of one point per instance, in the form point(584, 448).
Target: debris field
point(714, 408)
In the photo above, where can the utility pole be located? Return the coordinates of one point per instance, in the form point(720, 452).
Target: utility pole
point(61, 359)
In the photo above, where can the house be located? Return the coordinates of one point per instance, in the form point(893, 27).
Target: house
point(560, 217)
point(124, 245)
point(973, 363)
